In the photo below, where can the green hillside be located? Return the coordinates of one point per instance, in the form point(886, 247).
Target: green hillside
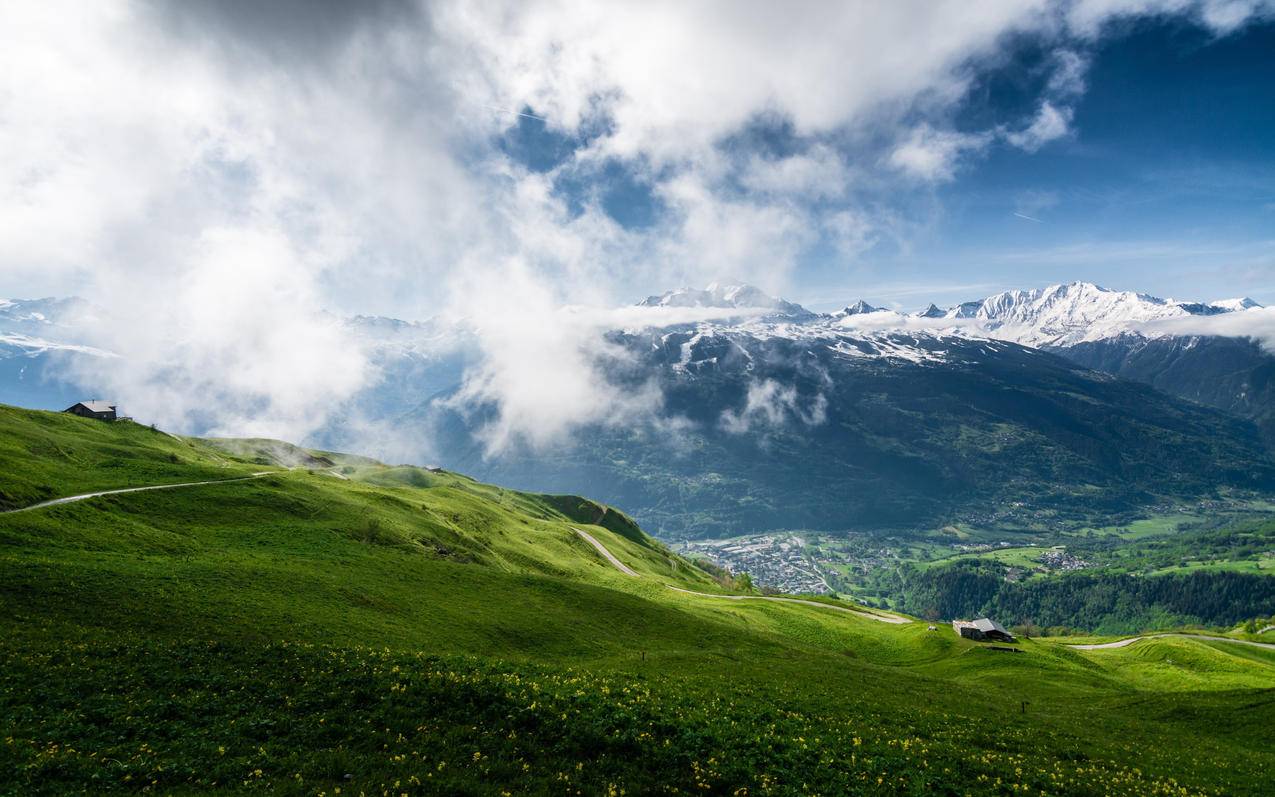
point(348, 625)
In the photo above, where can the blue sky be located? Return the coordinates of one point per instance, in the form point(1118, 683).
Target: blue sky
point(1163, 183)
point(1166, 185)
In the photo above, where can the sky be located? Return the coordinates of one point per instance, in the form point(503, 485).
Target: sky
point(226, 175)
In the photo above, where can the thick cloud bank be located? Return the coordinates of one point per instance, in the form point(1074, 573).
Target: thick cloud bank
point(221, 177)
point(1257, 323)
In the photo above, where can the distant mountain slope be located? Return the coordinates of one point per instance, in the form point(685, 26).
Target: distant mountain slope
point(1123, 333)
point(823, 427)
point(1232, 374)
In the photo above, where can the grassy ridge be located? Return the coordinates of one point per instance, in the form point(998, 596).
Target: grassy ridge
point(47, 455)
point(424, 633)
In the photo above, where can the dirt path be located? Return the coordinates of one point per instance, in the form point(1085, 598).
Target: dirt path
point(621, 566)
point(73, 498)
point(1124, 643)
point(625, 569)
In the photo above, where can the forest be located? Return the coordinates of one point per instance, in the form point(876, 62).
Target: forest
point(1100, 603)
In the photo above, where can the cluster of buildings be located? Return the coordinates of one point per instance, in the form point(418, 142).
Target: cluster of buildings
point(1057, 558)
point(772, 561)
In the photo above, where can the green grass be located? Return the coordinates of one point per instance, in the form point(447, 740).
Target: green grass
point(47, 455)
point(1026, 556)
point(1154, 526)
point(423, 633)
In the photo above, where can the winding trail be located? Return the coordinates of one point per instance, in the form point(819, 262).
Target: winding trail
point(1124, 643)
point(628, 571)
point(73, 498)
point(602, 549)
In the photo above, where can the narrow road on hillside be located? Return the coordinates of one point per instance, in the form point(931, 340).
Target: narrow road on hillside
point(73, 498)
point(625, 569)
point(1124, 643)
point(610, 557)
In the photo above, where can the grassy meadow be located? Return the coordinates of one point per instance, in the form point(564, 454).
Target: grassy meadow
point(339, 626)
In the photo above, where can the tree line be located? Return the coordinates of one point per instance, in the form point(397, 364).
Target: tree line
point(1102, 603)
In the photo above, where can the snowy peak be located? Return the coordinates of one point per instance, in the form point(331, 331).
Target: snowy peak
point(1077, 312)
point(1235, 305)
point(932, 311)
point(1066, 314)
point(859, 308)
point(735, 296)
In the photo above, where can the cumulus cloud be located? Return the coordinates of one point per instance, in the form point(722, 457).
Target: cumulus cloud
point(1050, 123)
point(675, 77)
point(931, 154)
point(214, 348)
point(820, 173)
point(548, 369)
point(771, 405)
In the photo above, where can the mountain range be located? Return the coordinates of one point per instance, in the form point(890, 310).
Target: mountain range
point(867, 418)
point(1047, 407)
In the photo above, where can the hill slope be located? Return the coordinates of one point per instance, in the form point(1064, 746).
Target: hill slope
point(417, 631)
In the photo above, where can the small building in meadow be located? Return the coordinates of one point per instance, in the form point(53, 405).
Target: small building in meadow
point(100, 410)
point(982, 630)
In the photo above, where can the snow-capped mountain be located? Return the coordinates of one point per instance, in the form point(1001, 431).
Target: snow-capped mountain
point(1079, 312)
point(858, 308)
point(1056, 316)
point(734, 296)
point(1231, 305)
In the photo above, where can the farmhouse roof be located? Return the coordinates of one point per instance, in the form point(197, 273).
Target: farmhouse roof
point(986, 624)
point(98, 406)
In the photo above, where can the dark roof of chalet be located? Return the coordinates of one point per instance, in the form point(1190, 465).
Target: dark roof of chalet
point(987, 624)
point(95, 406)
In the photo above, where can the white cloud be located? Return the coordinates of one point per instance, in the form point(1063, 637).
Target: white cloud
point(676, 77)
point(820, 173)
point(231, 341)
point(931, 154)
point(544, 369)
point(1257, 323)
point(1050, 123)
point(852, 232)
point(1088, 17)
point(771, 405)
point(1068, 77)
